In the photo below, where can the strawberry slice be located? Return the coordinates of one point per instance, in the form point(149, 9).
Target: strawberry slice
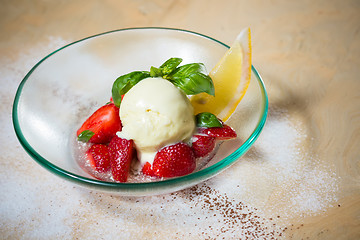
point(202, 145)
point(174, 160)
point(147, 169)
point(101, 126)
point(219, 133)
point(98, 156)
point(121, 153)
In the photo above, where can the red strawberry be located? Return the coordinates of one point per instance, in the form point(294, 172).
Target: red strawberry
point(174, 160)
point(121, 153)
point(102, 125)
point(202, 145)
point(220, 133)
point(98, 156)
point(147, 169)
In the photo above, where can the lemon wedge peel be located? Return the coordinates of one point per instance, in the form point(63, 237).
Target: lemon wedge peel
point(231, 77)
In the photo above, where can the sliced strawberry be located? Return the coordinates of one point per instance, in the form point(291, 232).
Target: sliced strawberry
point(121, 153)
point(98, 156)
point(174, 160)
point(147, 169)
point(202, 145)
point(101, 126)
point(220, 133)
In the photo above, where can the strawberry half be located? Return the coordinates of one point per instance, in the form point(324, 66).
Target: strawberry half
point(202, 145)
point(174, 160)
point(98, 156)
point(121, 153)
point(219, 133)
point(101, 126)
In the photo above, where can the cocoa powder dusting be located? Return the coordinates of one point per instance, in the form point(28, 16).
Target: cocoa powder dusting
point(238, 220)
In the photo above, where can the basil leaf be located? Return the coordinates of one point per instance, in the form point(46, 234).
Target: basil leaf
point(206, 119)
point(188, 69)
point(125, 82)
point(155, 72)
point(195, 83)
point(85, 135)
point(170, 65)
point(191, 79)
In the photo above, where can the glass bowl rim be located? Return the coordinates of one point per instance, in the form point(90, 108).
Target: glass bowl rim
point(217, 167)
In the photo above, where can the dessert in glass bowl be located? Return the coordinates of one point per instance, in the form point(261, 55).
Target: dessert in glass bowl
point(148, 130)
point(63, 89)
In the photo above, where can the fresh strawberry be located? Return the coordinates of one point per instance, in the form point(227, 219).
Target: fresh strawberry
point(121, 153)
point(174, 160)
point(202, 145)
point(147, 169)
point(219, 133)
point(98, 156)
point(101, 126)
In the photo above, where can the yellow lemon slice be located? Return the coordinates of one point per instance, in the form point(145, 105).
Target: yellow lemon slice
point(231, 77)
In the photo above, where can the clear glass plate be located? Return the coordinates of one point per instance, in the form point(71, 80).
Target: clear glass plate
point(66, 86)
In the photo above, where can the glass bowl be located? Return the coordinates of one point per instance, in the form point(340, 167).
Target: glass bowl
point(66, 86)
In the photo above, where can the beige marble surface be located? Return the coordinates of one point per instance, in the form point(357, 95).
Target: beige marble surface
point(300, 180)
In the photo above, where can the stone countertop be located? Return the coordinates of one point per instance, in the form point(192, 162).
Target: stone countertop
point(299, 181)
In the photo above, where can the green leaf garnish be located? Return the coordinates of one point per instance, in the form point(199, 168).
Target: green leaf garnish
point(85, 135)
point(190, 78)
point(194, 83)
point(188, 69)
point(125, 82)
point(206, 119)
point(155, 72)
point(170, 65)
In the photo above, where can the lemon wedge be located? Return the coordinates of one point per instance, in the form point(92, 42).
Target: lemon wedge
point(231, 77)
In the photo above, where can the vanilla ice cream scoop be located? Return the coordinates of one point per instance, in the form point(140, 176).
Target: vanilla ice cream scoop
point(155, 113)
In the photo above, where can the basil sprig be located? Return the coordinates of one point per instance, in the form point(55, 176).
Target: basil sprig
point(168, 67)
point(191, 81)
point(125, 82)
point(206, 119)
point(190, 78)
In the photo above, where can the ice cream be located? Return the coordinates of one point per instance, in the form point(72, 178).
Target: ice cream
point(155, 113)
